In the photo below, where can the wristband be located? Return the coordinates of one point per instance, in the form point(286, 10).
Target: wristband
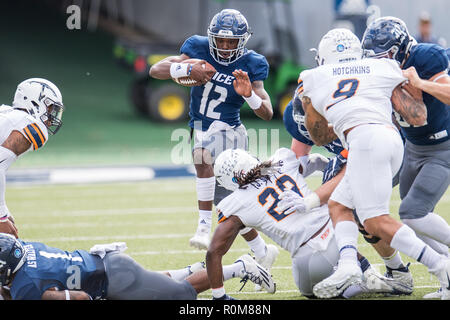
point(67, 294)
point(179, 70)
point(218, 292)
point(254, 101)
point(4, 218)
point(312, 201)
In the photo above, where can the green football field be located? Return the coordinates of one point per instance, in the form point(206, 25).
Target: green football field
point(156, 220)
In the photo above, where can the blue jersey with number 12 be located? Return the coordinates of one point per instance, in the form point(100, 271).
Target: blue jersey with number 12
point(217, 99)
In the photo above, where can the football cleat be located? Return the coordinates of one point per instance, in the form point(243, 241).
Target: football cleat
point(346, 274)
point(196, 267)
point(256, 273)
point(402, 280)
point(374, 282)
point(267, 261)
point(434, 295)
point(201, 238)
point(443, 275)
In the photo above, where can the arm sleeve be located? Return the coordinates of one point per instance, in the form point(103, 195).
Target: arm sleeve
point(7, 157)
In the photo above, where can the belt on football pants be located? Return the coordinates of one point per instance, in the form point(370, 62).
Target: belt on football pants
point(316, 234)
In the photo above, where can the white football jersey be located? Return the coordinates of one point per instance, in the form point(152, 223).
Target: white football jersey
point(12, 119)
point(353, 93)
point(256, 206)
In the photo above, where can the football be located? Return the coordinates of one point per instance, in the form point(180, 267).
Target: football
point(188, 81)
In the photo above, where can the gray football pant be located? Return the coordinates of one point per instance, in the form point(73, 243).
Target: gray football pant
point(127, 280)
point(216, 144)
point(424, 178)
point(310, 266)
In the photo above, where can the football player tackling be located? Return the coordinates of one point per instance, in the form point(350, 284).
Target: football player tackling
point(425, 174)
point(354, 96)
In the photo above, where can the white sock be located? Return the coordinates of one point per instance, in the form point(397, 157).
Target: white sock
point(179, 274)
point(205, 217)
point(346, 233)
point(394, 261)
point(435, 245)
point(433, 226)
point(232, 271)
point(258, 247)
point(406, 241)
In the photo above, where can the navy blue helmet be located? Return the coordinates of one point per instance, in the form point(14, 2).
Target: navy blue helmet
point(12, 257)
point(298, 114)
point(387, 37)
point(230, 24)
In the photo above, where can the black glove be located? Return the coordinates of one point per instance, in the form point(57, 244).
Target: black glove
point(334, 166)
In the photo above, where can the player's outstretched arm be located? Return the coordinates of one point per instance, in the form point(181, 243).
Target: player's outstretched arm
point(13, 146)
point(412, 110)
point(438, 85)
point(319, 129)
point(254, 93)
point(52, 294)
point(221, 241)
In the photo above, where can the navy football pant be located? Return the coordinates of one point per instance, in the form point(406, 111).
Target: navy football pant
point(424, 178)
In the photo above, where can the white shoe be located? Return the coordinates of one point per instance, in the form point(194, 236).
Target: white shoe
point(375, 282)
point(346, 274)
point(402, 280)
point(443, 274)
point(267, 261)
point(256, 273)
point(434, 295)
point(196, 267)
point(201, 238)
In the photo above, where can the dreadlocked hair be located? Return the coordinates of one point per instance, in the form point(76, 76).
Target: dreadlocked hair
point(262, 171)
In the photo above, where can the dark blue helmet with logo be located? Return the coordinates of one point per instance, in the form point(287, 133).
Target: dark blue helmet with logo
point(230, 24)
point(387, 37)
point(12, 257)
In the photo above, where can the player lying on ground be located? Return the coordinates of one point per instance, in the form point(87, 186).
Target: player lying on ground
point(35, 271)
point(308, 237)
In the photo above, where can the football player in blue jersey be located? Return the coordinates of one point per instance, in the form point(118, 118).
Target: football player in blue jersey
point(35, 271)
point(215, 108)
point(294, 122)
point(425, 174)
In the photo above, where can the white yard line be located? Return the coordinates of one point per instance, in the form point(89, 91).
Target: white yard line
point(102, 212)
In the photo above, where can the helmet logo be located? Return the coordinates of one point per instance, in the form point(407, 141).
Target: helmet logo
point(340, 48)
point(17, 253)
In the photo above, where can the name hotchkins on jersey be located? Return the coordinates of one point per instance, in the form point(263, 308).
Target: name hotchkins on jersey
point(351, 70)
